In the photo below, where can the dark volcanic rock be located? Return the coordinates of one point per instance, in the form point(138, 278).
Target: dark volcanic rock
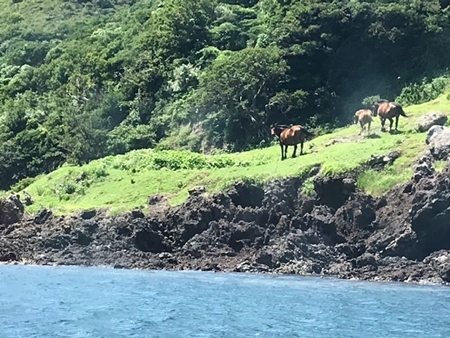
point(11, 210)
point(355, 220)
point(401, 236)
point(334, 191)
point(42, 216)
point(246, 195)
point(321, 221)
point(440, 261)
point(149, 240)
point(194, 215)
point(379, 162)
point(285, 191)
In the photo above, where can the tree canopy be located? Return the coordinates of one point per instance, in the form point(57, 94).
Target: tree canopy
point(84, 79)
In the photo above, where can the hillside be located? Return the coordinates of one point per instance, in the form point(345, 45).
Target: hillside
point(124, 182)
point(83, 80)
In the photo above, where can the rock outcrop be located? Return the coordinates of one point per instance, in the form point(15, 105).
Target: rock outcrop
point(438, 140)
point(11, 210)
point(425, 122)
point(338, 230)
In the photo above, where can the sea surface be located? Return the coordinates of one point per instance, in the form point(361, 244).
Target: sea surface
point(102, 302)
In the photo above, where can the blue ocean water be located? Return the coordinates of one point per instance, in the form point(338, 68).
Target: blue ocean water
point(101, 302)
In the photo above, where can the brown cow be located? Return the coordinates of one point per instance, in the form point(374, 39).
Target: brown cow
point(388, 110)
point(364, 116)
point(290, 136)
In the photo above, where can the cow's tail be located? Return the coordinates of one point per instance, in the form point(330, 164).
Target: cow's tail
point(402, 112)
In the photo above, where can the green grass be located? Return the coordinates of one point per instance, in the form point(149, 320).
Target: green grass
point(439, 165)
point(124, 182)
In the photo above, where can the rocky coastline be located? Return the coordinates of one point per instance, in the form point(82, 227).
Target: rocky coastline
point(339, 230)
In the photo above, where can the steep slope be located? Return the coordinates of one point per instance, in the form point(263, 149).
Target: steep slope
point(81, 80)
point(125, 181)
point(338, 230)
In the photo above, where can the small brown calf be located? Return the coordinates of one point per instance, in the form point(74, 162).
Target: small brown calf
point(364, 116)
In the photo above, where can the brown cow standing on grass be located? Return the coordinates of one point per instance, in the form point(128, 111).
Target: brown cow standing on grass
point(364, 117)
point(290, 136)
point(388, 110)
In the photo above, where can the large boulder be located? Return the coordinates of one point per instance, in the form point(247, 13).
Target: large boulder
point(429, 214)
point(425, 122)
point(195, 214)
point(438, 140)
point(355, 219)
point(11, 210)
point(414, 221)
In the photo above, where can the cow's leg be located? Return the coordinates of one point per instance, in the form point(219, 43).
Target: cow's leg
point(391, 123)
point(383, 121)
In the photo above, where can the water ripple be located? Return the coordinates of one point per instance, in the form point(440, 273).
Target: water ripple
point(99, 302)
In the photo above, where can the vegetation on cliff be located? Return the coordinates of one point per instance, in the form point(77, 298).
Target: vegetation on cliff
point(83, 80)
point(123, 182)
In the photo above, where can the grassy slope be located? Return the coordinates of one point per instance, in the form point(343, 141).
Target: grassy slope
point(124, 182)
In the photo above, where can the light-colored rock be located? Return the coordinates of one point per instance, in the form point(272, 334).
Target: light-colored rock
point(425, 122)
point(438, 140)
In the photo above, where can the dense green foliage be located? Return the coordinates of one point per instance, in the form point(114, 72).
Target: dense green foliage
point(86, 79)
point(123, 182)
